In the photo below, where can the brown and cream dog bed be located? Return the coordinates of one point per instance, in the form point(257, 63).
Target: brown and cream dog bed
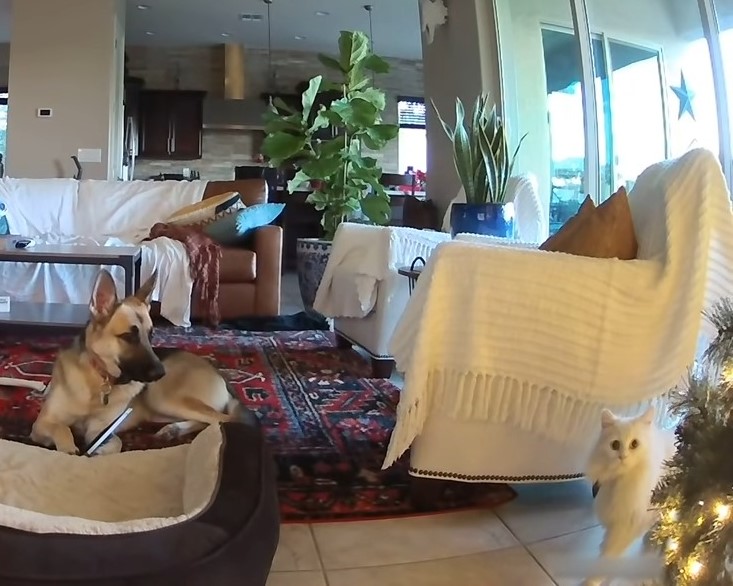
point(199, 514)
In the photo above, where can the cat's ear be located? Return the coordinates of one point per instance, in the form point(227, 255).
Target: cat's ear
point(607, 419)
point(647, 418)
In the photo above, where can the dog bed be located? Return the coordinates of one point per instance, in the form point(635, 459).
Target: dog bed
point(205, 513)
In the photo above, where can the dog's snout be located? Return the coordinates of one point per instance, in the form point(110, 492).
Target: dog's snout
point(155, 372)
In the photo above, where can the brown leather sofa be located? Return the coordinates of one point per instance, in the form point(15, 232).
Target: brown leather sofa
point(249, 278)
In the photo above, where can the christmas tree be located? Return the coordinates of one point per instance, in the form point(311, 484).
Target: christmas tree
point(695, 496)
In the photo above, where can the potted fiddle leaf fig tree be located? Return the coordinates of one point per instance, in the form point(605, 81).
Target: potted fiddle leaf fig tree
point(484, 164)
point(326, 141)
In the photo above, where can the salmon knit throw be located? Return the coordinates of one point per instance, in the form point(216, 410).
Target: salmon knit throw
point(204, 257)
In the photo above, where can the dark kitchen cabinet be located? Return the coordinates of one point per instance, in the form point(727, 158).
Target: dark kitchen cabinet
point(170, 124)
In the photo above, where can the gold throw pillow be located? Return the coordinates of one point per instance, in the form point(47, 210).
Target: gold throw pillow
point(606, 231)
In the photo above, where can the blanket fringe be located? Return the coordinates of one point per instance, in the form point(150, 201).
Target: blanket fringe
point(504, 400)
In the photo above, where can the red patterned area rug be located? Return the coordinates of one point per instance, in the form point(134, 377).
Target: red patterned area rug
point(328, 424)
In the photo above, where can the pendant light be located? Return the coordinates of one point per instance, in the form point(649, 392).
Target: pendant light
point(270, 70)
point(368, 8)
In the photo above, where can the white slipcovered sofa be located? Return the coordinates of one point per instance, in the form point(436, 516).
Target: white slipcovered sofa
point(510, 354)
point(105, 213)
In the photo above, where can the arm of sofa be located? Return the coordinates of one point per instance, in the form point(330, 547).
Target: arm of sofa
point(268, 247)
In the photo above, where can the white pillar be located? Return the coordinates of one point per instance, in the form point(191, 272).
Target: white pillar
point(66, 56)
point(462, 61)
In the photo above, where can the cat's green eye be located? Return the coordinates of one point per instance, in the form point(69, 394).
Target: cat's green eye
point(615, 445)
point(634, 444)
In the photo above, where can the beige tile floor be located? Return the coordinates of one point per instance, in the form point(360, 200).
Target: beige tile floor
point(528, 542)
point(531, 541)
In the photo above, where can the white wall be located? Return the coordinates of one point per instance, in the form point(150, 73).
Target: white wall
point(649, 23)
point(117, 96)
point(63, 56)
point(462, 61)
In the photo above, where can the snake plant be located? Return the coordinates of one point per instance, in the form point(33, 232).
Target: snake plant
point(481, 151)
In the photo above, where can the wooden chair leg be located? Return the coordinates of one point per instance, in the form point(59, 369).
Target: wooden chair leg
point(382, 367)
point(426, 493)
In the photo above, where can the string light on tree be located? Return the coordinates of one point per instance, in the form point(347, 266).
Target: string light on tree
point(695, 568)
point(695, 496)
point(722, 512)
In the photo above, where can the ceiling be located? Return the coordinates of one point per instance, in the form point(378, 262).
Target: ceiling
point(295, 23)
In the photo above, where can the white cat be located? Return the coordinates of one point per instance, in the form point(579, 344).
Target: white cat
point(624, 467)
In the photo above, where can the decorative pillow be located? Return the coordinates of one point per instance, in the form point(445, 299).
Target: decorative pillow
point(566, 235)
point(4, 228)
point(207, 210)
point(603, 232)
point(235, 227)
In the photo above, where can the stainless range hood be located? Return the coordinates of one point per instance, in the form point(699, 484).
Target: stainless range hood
point(236, 110)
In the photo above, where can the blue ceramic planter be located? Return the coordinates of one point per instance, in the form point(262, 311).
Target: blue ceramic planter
point(311, 257)
point(488, 219)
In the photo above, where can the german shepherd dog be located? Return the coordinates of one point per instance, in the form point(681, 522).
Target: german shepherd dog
point(112, 365)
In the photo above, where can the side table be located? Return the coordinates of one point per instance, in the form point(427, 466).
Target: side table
point(412, 272)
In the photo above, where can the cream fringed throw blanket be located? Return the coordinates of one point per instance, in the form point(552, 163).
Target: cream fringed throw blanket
point(544, 340)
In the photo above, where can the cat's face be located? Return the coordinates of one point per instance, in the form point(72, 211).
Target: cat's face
point(624, 442)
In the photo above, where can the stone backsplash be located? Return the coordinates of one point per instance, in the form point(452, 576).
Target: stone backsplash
point(202, 68)
point(222, 151)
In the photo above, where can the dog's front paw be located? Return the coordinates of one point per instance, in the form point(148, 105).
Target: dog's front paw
point(169, 432)
point(112, 446)
point(70, 449)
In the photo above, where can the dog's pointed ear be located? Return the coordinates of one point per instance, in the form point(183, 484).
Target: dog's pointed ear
point(144, 293)
point(104, 295)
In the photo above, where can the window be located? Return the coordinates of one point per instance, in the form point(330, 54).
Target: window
point(633, 110)
point(565, 122)
point(726, 41)
point(3, 119)
point(412, 139)
point(601, 98)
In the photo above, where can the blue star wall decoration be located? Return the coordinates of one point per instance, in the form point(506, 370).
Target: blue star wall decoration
point(685, 97)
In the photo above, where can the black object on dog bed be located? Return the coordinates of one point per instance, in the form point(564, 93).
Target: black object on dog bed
point(298, 322)
point(232, 541)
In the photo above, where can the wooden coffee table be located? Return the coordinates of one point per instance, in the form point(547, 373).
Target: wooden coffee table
point(67, 315)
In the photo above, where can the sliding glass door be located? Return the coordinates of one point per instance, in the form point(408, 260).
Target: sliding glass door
point(542, 97)
point(565, 123)
point(605, 89)
point(724, 16)
point(630, 116)
point(634, 110)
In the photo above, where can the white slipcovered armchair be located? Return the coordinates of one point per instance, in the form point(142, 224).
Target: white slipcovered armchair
point(510, 354)
point(362, 290)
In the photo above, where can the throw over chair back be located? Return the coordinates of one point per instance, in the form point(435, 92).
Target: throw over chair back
point(554, 338)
